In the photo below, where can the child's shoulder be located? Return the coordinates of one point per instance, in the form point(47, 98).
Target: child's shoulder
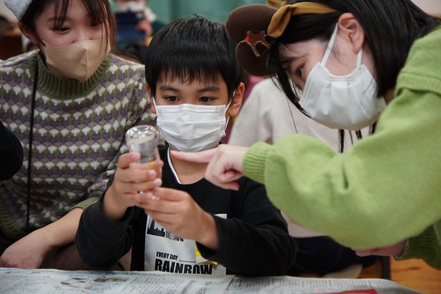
point(18, 61)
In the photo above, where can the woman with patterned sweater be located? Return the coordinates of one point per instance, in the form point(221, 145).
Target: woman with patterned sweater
point(70, 104)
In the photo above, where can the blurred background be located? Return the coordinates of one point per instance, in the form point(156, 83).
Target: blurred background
point(167, 10)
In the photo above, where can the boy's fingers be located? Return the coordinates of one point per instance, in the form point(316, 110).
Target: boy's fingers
point(166, 194)
point(201, 157)
point(126, 159)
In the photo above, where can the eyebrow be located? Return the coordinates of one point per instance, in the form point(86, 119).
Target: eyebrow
point(54, 19)
point(288, 60)
point(201, 90)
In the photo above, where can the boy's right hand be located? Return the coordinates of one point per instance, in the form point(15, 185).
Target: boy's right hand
point(130, 178)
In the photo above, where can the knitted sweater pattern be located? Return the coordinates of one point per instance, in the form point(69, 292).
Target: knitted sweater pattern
point(77, 139)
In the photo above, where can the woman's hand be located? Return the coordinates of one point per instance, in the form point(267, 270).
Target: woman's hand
point(224, 164)
point(28, 252)
point(395, 250)
point(31, 250)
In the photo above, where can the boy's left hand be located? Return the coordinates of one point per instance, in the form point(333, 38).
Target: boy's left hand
point(177, 212)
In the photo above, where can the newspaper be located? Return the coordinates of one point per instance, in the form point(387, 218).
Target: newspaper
point(66, 282)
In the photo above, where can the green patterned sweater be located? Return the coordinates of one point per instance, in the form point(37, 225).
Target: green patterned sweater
point(78, 135)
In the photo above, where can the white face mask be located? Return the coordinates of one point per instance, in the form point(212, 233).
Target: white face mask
point(133, 6)
point(343, 102)
point(191, 128)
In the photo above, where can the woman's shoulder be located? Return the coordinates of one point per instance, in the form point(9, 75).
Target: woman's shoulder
point(430, 40)
point(423, 58)
point(18, 61)
point(120, 61)
point(121, 69)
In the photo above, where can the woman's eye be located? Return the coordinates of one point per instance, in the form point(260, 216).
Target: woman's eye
point(62, 29)
point(299, 71)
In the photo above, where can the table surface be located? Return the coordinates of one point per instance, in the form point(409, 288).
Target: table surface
point(55, 281)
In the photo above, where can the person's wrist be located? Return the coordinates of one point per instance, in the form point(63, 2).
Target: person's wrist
point(399, 254)
point(47, 238)
point(113, 207)
point(208, 235)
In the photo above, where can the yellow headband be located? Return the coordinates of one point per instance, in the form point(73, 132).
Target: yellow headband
point(276, 3)
point(281, 18)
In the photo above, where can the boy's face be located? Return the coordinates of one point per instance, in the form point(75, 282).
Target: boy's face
point(175, 92)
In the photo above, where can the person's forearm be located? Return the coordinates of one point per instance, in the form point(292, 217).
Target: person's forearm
point(62, 231)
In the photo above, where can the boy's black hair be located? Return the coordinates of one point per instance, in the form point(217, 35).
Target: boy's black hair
point(193, 49)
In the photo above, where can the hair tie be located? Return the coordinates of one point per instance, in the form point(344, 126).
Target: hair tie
point(281, 18)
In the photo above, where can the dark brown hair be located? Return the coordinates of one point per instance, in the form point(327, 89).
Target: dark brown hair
point(390, 27)
point(99, 12)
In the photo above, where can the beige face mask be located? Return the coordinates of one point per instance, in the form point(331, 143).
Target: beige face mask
point(77, 61)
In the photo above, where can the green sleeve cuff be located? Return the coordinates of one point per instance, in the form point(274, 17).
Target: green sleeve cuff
point(255, 162)
point(425, 246)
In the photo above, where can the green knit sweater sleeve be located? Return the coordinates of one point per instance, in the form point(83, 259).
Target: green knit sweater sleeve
point(87, 202)
point(386, 188)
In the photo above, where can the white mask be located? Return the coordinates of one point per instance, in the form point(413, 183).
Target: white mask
point(343, 102)
point(191, 128)
point(133, 6)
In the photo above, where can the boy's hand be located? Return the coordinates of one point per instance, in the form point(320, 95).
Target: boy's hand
point(130, 179)
point(176, 211)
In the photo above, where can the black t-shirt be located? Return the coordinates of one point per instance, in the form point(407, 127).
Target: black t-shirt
point(253, 238)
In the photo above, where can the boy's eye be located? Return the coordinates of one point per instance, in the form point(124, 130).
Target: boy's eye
point(171, 98)
point(206, 99)
point(299, 71)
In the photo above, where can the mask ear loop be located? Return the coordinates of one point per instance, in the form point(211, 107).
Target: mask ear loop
point(359, 55)
point(40, 41)
point(330, 45)
point(226, 109)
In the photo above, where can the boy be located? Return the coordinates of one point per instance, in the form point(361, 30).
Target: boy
point(187, 225)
